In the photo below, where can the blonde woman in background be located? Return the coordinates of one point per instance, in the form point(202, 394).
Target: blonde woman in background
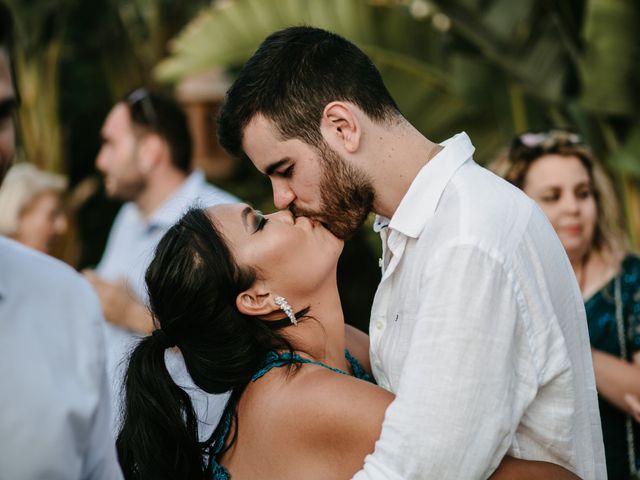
point(559, 172)
point(31, 207)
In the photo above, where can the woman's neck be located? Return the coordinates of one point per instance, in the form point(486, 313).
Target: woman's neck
point(595, 270)
point(321, 336)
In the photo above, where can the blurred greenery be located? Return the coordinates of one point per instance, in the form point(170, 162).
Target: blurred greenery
point(493, 68)
point(75, 60)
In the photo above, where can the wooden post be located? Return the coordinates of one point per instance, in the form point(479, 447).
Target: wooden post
point(201, 96)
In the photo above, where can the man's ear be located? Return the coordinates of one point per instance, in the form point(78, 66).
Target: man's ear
point(151, 151)
point(340, 124)
point(255, 304)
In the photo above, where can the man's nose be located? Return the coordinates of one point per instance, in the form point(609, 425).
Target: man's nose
point(283, 196)
point(101, 161)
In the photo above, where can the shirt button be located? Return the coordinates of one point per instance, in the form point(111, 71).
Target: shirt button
point(379, 324)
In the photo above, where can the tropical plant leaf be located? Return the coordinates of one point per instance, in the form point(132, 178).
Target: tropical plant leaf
point(611, 66)
point(536, 58)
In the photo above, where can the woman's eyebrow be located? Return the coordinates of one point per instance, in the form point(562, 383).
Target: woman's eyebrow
point(245, 213)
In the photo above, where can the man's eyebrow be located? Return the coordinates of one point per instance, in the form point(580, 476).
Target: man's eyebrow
point(274, 166)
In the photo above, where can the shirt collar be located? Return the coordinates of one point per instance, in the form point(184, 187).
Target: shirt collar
point(172, 209)
point(421, 200)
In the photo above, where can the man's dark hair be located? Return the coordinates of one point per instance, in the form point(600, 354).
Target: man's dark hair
point(162, 115)
point(292, 76)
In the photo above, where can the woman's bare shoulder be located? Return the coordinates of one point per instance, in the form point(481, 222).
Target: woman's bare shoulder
point(329, 401)
point(337, 416)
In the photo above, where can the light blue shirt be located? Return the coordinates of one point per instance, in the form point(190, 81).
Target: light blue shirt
point(130, 247)
point(54, 408)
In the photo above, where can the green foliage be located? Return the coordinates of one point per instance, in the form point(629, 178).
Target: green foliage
point(491, 67)
point(40, 29)
point(610, 65)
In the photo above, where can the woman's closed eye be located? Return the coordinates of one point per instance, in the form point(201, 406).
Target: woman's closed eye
point(260, 221)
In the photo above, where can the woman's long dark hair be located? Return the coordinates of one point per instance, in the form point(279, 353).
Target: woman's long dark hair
point(192, 282)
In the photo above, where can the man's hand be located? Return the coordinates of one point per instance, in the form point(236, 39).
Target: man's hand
point(515, 469)
point(119, 305)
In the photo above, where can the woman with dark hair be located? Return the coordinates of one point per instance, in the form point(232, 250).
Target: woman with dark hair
point(559, 172)
point(251, 302)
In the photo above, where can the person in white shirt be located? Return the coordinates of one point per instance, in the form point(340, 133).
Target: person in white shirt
point(477, 325)
point(146, 160)
point(54, 408)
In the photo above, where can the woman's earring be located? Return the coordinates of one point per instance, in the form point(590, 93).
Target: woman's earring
point(286, 308)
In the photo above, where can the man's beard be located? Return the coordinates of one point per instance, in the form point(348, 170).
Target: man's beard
point(130, 183)
point(346, 196)
point(127, 191)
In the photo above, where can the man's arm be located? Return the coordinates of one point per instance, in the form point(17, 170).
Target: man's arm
point(460, 396)
point(512, 468)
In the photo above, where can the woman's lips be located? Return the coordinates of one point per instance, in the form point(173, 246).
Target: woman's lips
point(573, 229)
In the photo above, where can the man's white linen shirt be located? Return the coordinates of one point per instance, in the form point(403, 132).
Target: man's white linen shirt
point(129, 250)
point(55, 419)
point(479, 329)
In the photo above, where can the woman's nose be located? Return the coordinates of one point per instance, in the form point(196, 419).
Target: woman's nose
point(571, 203)
point(284, 216)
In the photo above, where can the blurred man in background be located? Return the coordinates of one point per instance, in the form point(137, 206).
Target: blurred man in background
point(146, 161)
point(54, 410)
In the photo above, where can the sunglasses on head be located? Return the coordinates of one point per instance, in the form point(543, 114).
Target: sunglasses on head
point(530, 145)
point(548, 139)
point(142, 96)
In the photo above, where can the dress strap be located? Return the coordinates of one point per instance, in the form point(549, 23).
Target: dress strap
point(218, 472)
point(356, 368)
point(274, 360)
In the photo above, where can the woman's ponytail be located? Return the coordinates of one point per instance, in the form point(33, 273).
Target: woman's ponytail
point(159, 438)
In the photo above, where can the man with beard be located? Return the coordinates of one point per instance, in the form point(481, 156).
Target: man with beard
point(54, 408)
point(146, 160)
point(477, 325)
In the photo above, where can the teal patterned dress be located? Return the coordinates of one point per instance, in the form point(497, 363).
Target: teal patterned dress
point(273, 360)
point(603, 333)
